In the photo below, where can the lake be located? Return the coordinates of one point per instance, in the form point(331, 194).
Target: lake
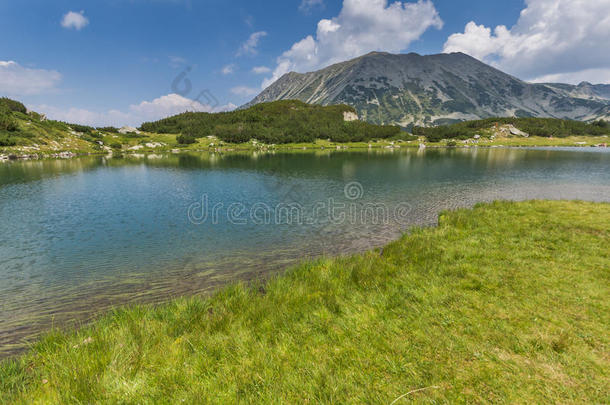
point(82, 235)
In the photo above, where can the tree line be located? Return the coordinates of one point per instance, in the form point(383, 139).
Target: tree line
point(543, 127)
point(287, 121)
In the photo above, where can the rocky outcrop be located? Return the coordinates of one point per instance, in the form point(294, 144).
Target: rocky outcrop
point(128, 130)
point(350, 116)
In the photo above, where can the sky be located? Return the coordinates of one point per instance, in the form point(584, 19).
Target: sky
point(118, 62)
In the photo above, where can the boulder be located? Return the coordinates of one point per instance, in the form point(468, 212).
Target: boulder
point(128, 130)
point(518, 132)
point(350, 116)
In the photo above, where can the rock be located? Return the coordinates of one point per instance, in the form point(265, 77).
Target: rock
point(128, 130)
point(350, 116)
point(153, 145)
point(515, 131)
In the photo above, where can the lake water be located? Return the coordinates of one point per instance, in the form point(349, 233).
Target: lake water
point(79, 236)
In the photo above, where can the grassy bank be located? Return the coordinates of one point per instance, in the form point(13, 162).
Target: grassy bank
point(504, 303)
point(532, 141)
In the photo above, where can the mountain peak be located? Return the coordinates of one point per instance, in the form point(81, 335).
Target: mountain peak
point(373, 53)
point(407, 89)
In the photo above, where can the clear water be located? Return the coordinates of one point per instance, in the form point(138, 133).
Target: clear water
point(79, 236)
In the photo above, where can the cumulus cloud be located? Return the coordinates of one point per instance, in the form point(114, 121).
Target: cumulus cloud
point(260, 70)
point(136, 114)
point(245, 91)
point(307, 5)
point(250, 47)
point(228, 69)
point(18, 80)
point(556, 39)
point(74, 20)
point(362, 26)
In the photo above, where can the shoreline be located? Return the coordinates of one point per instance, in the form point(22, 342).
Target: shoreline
point(388, 146)
point(330, 289)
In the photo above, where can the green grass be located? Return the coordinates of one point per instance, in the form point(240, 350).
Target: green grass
point(532, 141)
point(508, 302)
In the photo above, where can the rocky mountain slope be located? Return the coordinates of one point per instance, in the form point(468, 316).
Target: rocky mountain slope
point(412, 89)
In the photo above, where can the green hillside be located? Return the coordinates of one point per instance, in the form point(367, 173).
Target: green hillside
point(287, 124)
point(278, 122)
point(31, 131)
point(541, 127)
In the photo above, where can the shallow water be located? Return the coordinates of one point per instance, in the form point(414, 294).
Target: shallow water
point(79, 236)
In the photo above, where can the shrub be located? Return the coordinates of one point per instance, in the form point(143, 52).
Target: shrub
point(185, 139)
point(6, 140)
point(85, 129)
point(7, 122)
point(13, 105)
point(116, 145)
point(113, 130)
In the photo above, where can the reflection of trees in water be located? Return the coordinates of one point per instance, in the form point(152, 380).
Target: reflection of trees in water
point(33, 170)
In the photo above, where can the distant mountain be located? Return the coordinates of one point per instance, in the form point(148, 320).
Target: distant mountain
point(411, 89)
point(584, 90)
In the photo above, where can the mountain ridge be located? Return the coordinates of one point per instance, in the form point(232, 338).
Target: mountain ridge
point(411, 89)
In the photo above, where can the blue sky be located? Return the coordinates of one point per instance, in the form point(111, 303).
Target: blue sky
point(105, 62)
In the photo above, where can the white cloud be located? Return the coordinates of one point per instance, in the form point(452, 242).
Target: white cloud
point(229, 69)
point(74, 20)
point(362, 26)
point(136, 114)
point(261, 70)
point(307, 5)
point(18, 80)
point(176, 61)
point(561, 39)
point(245, 91)
point(250, 46)
point(587, 75)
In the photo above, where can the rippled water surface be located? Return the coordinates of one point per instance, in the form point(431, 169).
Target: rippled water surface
point(79, 236)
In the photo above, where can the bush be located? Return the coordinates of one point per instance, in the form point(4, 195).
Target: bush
point(113, 130)
point(116, 145)
point(85, 129)
point(185, 139)
point(6, 140)
point(13, 105)
point(7, 122)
